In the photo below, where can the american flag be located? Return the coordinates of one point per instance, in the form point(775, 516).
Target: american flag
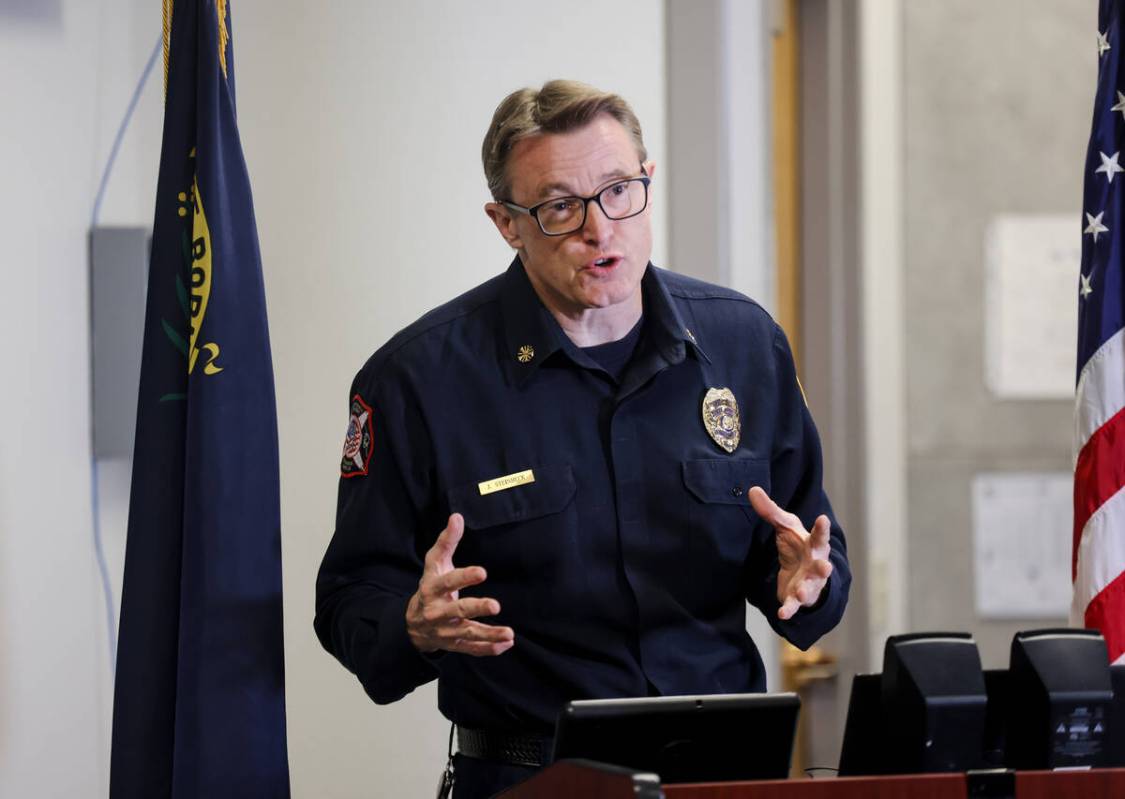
point(1099, 470)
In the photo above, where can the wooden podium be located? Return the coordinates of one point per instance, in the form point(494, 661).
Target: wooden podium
point(590, 780)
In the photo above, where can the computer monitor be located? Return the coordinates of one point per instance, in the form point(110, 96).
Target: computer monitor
point(864, 750)
point(714, 738)
point(1117, 718)
point(997, 684)
point(926, 712)
point(1061, 700)
point(934, 702)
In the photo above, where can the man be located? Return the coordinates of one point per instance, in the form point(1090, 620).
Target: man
point(558, 485)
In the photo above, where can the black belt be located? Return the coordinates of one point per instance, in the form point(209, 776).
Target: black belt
point(504, 747)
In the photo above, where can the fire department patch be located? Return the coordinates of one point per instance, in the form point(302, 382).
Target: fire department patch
point(357, 442)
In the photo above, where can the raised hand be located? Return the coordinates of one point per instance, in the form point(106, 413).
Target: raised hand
point(803, 556)
point(438, 619)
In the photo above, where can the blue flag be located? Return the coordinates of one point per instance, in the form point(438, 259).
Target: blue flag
point(199, 700)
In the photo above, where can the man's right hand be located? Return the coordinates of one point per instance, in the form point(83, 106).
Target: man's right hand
point(436, 619)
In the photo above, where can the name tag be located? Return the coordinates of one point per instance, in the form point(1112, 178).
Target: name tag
point(507, 481)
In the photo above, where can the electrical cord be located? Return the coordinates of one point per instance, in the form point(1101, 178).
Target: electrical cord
point(121, 131)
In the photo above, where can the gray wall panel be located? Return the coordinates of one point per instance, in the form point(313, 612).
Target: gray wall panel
point(997, 111)
point(118, 270)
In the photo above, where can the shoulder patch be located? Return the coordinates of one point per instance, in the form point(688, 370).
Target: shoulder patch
point(358, 441)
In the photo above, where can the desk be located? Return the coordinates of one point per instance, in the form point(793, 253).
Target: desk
point(590, 780)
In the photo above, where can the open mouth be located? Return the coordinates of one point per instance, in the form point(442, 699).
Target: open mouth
point(603, 263)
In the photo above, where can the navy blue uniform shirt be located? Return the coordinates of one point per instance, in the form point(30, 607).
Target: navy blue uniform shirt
point(625, 566)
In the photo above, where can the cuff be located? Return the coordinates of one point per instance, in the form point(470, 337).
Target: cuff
point(808, 624)
point(401, 666)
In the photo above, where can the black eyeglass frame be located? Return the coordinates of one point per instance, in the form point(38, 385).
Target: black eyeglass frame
point(533, 211)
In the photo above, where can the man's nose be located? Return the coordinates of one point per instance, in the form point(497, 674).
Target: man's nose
point(597, 225)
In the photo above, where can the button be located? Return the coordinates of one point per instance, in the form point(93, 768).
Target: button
point(736, 492)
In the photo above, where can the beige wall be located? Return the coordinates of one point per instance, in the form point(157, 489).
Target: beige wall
point(997, 104)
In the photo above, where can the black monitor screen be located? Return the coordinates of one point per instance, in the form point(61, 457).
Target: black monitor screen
point(685, 738)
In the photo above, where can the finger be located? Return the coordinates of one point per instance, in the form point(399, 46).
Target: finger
point(466, 630)
point(761, 503)
point(790, 606)
point(447, 583)
point(771, 512)
point(821, 568)
point(481, 649)
point(821, 532)
point(439, 613)
point(475, 607)
point(811, 589)
point(441, 553)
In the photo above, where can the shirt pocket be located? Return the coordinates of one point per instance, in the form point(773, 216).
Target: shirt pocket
point(724, 529)
point(552, 491)
point(725, 481)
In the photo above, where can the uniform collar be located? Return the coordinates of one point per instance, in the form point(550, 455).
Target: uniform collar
point(670, 333)
point(532, 335)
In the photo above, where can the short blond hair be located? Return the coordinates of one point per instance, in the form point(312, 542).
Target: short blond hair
point(559, 107)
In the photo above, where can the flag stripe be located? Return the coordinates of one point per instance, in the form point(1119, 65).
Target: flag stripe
point(1098, 475)
point(1101, 389)
point(1098, 528)
point(1101, 553)
point(1106, 612)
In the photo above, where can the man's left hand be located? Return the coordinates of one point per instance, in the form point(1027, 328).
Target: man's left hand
point(803, 556)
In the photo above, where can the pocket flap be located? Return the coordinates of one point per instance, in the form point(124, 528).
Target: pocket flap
point(724, 480)
point(553, 490)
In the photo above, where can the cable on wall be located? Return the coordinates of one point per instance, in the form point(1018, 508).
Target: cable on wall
point(95, 501)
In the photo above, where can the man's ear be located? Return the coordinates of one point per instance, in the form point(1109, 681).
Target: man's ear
point(505, 223)
point(649, 168)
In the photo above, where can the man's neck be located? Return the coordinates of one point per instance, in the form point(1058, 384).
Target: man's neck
point(593, 326)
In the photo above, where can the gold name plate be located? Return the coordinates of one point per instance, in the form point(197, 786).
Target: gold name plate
point(507, 481)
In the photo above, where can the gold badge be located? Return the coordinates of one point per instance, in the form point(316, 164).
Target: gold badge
point(720, 417)
point(525, 354)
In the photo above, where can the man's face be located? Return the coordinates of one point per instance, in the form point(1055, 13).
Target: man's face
point(600, 265)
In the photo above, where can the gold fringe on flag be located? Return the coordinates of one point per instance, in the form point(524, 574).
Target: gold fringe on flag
point(167, 39)
point(224, 34)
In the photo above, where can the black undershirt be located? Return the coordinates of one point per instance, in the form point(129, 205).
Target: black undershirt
point(614, 356)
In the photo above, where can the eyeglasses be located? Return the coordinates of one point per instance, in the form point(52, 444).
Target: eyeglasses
point(562, 215)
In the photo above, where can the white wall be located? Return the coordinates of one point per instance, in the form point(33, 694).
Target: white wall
point(53, 653)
